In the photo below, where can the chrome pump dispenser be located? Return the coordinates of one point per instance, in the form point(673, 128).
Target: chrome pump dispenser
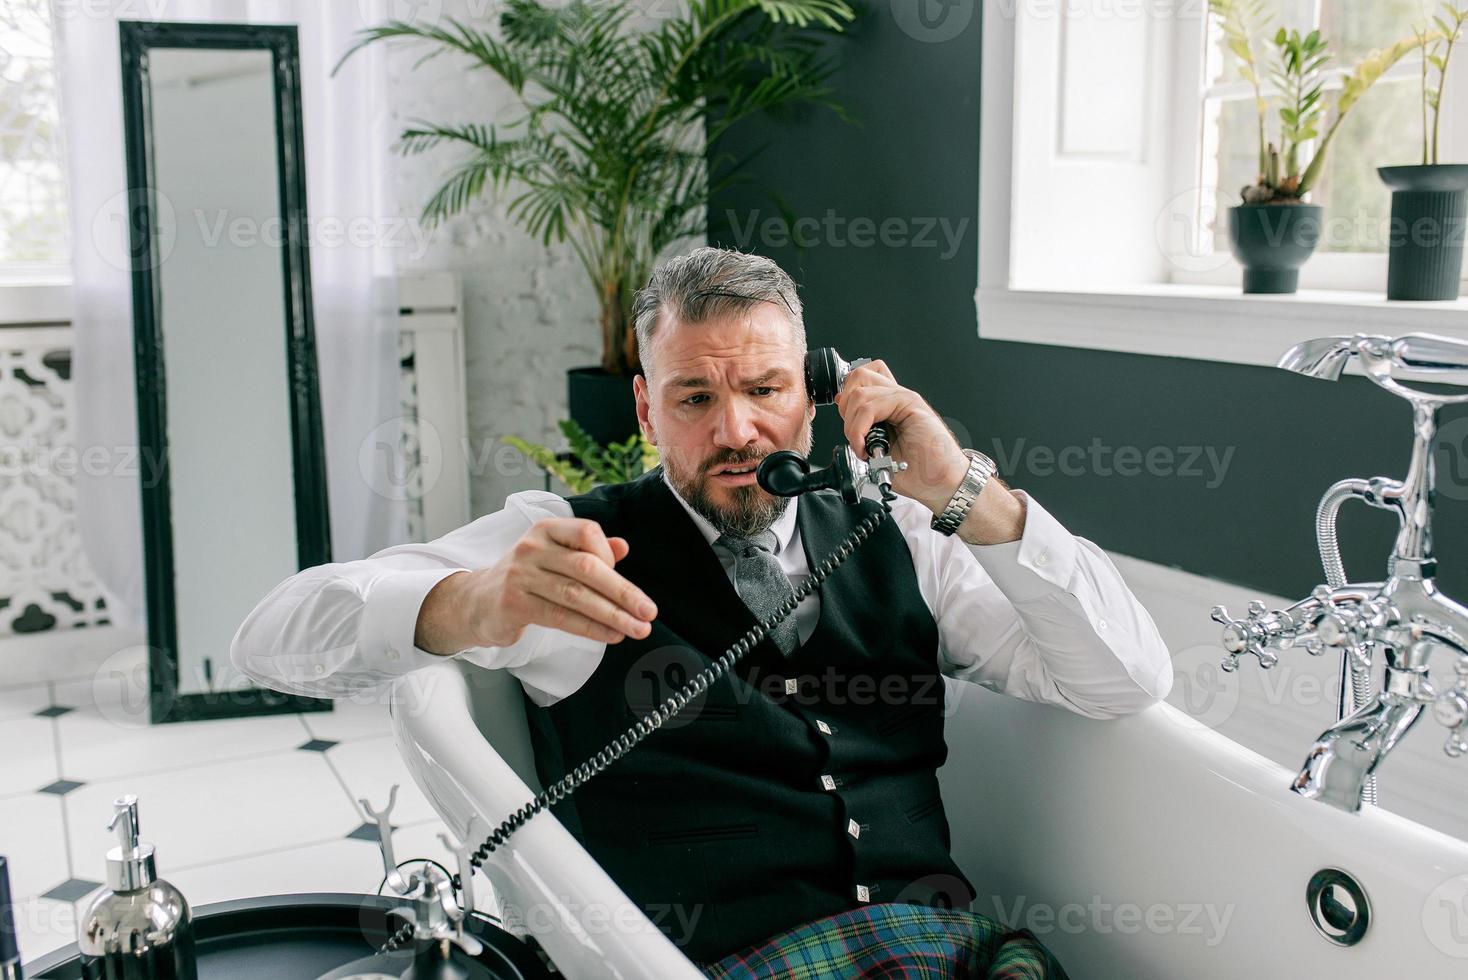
point(140, 927)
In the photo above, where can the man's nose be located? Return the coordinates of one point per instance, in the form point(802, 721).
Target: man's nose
point(734, 428)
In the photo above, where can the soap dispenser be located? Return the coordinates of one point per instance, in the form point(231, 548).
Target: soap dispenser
point(140, 927)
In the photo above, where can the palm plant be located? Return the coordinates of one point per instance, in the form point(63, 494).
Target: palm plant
point(608, 153)
point(1298, 75)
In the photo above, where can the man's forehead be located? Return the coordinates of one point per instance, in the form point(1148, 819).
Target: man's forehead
point(753, 347)
point(694, 377)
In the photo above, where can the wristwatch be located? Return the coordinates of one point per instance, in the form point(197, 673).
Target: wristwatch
point(980, 468)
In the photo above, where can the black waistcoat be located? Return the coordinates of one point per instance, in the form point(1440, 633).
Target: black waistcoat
point(798, 788)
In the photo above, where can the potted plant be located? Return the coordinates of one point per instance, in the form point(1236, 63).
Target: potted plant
point(589, 464)
point(1430, 199)
point(1275, 228)
point(608, 153)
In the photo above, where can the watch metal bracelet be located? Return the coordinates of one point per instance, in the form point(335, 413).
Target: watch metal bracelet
point(980, 468)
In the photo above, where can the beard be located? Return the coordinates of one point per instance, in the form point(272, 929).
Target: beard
point(751, 509)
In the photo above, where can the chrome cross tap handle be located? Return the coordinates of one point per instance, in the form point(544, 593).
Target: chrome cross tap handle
point(1248, 635)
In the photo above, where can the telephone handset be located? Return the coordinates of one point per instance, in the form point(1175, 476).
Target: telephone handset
point(783, 473)
point(787, 473)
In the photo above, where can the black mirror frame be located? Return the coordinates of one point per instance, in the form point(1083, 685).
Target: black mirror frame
point(312, 514)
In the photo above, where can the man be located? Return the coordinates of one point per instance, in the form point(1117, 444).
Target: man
point(800, 791)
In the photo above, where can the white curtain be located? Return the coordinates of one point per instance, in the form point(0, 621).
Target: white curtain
point(347, 145)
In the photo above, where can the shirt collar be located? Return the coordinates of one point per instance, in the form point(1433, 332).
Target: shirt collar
point(784, 526)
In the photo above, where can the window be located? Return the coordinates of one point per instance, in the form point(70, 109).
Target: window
point(1114, 137)
point(1383, 128)
point(33, 219)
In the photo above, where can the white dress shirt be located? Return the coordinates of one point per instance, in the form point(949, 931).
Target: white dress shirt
point(1046, 618)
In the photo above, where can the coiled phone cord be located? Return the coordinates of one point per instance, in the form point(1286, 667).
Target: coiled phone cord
point(677, 701)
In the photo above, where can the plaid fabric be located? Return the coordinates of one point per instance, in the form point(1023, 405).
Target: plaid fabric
point(895, 941)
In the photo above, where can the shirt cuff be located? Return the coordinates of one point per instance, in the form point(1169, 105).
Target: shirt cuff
point(390, 620)
point(1040, 563)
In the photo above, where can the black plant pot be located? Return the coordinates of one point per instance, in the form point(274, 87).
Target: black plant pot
point(1271, 242)
point(602, 404)
point(1425, 247)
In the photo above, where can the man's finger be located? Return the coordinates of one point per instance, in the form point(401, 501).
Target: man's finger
point(609, 583)
point(576, 595)
point(556, 616)
point(581, 534)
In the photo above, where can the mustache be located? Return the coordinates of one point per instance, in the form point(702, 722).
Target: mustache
point(734, 460)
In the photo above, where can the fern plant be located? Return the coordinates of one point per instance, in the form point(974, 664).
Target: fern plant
point(608, 153)
point(595, 464)
point(1298, 74)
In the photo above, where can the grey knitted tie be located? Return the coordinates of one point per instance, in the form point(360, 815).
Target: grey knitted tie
point(761, 583)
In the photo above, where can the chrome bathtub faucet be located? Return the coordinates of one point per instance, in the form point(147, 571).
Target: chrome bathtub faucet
point(1399, 621)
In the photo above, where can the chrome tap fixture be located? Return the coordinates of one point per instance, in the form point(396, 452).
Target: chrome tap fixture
point(1399, 621)
point(435, 919)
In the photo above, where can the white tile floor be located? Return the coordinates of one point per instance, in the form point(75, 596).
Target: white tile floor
point(236, 808)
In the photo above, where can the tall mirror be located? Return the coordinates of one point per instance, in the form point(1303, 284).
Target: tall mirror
point(228, 403)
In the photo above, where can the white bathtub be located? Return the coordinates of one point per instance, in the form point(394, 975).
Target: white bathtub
point(1067, 820)
point(1149, 847)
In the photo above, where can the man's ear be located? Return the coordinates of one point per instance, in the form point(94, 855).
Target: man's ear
point(644, 408)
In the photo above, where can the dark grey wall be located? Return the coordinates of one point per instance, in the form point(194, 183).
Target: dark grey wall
point(915, 159)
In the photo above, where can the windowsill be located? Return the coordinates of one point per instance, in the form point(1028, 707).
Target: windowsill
point(36, 301)
point(1203, 322)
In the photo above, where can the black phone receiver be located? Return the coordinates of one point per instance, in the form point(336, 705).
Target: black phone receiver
point(786, 473)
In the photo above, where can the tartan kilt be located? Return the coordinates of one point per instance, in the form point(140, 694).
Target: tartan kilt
point(894, 941)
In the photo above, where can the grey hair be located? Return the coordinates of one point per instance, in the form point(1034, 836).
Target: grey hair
point(712, 282)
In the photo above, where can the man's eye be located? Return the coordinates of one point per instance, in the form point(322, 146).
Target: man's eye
point(690, 399)
point(765, 389)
